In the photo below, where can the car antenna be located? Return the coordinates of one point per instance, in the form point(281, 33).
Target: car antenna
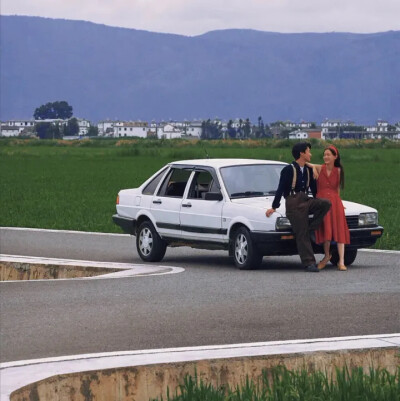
point(205, 150)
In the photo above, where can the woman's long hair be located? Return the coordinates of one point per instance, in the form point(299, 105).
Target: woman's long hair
point(337, 163)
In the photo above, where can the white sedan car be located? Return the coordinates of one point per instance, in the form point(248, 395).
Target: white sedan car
point(221, 204)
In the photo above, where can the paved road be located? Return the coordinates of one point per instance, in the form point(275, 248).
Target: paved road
point(210, 303)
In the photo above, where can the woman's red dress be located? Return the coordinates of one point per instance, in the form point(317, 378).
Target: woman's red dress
point(334, 226)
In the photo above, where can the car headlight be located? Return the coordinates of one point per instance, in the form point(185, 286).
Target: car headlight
point(282, 224)
point(368, 219)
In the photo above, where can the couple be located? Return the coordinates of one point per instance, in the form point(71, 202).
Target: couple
point(328, 220)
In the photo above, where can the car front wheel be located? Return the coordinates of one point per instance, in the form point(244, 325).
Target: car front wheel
point(349, 256)
point(245, 255)
point(149, 245)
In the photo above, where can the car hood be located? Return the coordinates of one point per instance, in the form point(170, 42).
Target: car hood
point(261, 202)
point(265, 202)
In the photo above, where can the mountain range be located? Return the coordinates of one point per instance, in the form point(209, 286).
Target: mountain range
point(117, 73)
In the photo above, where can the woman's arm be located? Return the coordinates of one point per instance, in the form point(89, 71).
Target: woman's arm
point(316, 169)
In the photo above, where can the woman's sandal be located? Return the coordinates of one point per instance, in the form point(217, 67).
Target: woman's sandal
point(322, 264)
point(342, 268)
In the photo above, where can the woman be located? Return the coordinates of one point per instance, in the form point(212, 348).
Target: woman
point(334, 226)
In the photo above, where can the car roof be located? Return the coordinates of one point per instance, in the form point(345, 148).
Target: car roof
point(218, 163)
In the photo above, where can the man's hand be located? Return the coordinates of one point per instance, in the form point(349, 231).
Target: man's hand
point(269, 212)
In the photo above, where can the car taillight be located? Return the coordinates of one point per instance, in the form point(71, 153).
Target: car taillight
point(117, 202)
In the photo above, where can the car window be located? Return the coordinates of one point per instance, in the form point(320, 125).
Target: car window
point(152, 185)
point(175, 183)
point(202, 183)
point(251, 180)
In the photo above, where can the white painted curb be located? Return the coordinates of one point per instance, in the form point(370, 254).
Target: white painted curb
point(45, 230)
point(127, 269)
point(17, 374)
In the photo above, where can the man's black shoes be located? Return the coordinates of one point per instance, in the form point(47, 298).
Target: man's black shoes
point(312, 268)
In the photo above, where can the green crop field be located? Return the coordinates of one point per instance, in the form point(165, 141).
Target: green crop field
point(73, 185)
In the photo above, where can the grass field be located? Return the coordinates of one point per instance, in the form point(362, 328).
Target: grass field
point(64, 185)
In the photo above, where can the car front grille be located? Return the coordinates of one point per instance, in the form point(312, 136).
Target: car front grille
point(352, 221)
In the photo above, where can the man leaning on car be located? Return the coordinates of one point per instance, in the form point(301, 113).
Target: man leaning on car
point(299, 205)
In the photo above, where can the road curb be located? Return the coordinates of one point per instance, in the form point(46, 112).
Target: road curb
point(117, 270)
point(22, 373)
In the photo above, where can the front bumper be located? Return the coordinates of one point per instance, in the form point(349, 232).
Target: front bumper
point(126, 223)
point(284, 243)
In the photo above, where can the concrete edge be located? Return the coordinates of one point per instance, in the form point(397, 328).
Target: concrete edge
point(126, 269)
point(17, 374)
point(62, 231)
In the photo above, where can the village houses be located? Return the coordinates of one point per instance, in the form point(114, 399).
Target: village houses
point(328, 129)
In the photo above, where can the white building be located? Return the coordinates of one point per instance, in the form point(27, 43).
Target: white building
point(131, 129)
point(382, 126)
point(378, 129)
point(299, 134)
point(84, 126)
point(289, 124)
point(20, 123)
point(15, 127)
point(169, 131)
point(8, 131)
point(106, 128)
point(194, 129)
point(304, 124)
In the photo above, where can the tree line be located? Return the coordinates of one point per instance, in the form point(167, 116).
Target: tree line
point(59, 110)
point(243, 130)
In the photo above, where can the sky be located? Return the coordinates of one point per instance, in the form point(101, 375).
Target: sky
point(195, 17)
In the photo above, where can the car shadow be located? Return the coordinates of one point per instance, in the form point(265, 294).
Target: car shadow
point(223, 261)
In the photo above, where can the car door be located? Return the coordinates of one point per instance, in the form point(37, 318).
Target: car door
point(166, 204)
point(201, 219)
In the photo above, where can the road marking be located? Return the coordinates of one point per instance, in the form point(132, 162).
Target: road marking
point(380, 251)
point(17, 374)
point(44, 230)
point(127, 269)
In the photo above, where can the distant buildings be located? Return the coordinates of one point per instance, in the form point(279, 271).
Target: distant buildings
point(139, 129)
point(16, 127)
point(235, 128)
point(27, 127)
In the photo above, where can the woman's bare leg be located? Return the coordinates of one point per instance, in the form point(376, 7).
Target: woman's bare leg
point(340, 248)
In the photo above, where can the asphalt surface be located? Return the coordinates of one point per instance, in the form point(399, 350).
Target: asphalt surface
point(211, 302)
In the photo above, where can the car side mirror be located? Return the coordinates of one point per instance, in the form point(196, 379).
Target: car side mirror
point(213, 196)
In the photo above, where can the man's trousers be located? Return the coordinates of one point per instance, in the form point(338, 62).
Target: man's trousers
point(298, 208)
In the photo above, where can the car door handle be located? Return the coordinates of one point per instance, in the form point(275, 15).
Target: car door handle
point(157, 201)
point(186, 205)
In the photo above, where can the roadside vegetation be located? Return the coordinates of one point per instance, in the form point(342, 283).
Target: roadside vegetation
point(73, 185)
point(281, 384)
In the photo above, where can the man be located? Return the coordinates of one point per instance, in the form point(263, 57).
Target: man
point(296, 179)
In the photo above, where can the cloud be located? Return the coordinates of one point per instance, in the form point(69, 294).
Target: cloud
point(193, 17)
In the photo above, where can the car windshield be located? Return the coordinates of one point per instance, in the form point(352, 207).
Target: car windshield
point(251, 180)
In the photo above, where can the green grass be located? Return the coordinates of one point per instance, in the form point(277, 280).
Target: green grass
point(280, 384)
point(61, 185)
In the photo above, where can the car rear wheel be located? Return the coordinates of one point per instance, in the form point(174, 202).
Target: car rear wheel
point(349, 256)
point(245, 255)
point(149, 245)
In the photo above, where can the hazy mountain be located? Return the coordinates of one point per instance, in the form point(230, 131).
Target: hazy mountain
point(106, 72)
